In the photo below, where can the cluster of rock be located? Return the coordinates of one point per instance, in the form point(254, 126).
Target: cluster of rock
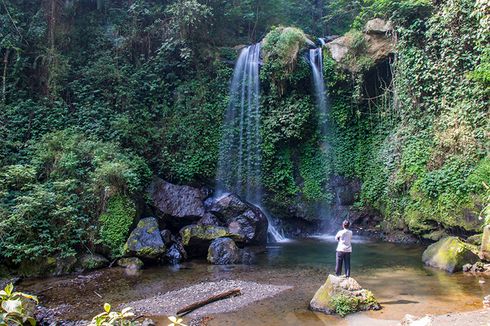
point(454, 255)
point(478, 267)
point(190, 223)
point(342, 295)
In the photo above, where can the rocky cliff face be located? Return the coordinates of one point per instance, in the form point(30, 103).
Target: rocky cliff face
point(374, 45)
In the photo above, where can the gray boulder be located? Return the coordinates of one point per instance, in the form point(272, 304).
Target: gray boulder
point(378, 26)
point(223, 251)
point(176, 253)
point(182, 202)
point(145, 241)
point(242, 218)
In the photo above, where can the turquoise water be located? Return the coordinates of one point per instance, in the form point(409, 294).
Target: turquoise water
point(394, 273)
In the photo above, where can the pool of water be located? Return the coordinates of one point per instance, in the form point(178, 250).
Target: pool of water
point(394, 273)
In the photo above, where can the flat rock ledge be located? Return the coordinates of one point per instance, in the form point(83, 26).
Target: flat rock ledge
point(169, 303)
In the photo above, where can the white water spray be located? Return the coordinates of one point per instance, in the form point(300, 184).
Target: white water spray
point(240, 156)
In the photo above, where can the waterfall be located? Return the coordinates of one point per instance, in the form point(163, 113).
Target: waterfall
point(316, 63)
point(240, 157)
point(315, 60)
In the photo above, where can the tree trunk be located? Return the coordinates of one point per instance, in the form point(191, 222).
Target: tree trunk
point(213, 298)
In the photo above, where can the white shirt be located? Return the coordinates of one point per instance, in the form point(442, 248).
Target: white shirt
point(344, 238)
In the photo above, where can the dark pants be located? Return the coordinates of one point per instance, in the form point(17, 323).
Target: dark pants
point(342, 257)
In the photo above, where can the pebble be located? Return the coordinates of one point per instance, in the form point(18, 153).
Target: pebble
point(170, 302)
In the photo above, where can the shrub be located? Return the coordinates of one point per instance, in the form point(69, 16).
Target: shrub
point(115, 223)
point(13, 310)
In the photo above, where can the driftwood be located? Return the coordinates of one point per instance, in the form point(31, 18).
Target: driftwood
point(187, 309)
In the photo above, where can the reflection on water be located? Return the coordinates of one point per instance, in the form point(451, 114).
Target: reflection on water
point(394, 273)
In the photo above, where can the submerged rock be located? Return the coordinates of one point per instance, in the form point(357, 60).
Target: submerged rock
point(342, 295)
point(131, 263)
point(223, 251)
point(241, 218)
point(449, 254)
point(145, 241)
point(182, 202)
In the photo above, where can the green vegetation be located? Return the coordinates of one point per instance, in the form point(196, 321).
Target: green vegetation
point(96, 96)
point(344, 304)
point(116, 222)
point(110, 318)
point(14, 308)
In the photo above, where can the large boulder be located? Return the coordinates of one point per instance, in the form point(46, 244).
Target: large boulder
point(146, 240)
point(197, 235)
point(450, 254)
point(223, 251)
point(378, 26)
point(176, 201)
point(377, 45)
point(241, 218)
point(342, 295)
point(485, 244)
point(197, 238)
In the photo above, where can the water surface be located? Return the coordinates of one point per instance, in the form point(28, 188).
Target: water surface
point(394, 273)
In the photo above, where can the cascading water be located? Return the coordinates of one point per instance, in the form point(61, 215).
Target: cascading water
point(240, 160)
point(316, 63)
point(315, 60)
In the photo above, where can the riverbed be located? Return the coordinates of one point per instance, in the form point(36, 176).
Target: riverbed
point(393, 272)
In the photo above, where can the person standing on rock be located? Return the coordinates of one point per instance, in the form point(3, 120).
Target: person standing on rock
point(344, 249)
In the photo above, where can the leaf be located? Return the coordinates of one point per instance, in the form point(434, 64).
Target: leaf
point(107, 307)
point(12, 306)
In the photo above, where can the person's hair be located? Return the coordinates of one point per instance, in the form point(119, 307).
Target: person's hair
point(346, 224)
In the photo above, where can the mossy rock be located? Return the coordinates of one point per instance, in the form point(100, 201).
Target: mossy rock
point(90, 262)
point(449, 254)
point(195, 234)
point(145, 241)
point(131, 263)
point(47, 266)
point(475, 239)
point(342, 295)
point(485, 244)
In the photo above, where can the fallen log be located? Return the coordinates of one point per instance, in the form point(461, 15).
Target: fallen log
point(187, 309)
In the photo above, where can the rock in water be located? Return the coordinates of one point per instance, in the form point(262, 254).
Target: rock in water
point(485, 244)
point(182, 202)
point(223, 251)
point(242, 218)
point(176, 253)
point(342, 295)
point(449, 254)
point(145, 241)
point(131, 263)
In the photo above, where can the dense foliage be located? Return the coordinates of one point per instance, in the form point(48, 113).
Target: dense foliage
point(423, 153)
point(96, 96)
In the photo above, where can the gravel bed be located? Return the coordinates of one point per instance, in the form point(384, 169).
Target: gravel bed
point(169, 303)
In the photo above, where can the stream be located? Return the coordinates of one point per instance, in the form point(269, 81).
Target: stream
point(393, 272)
